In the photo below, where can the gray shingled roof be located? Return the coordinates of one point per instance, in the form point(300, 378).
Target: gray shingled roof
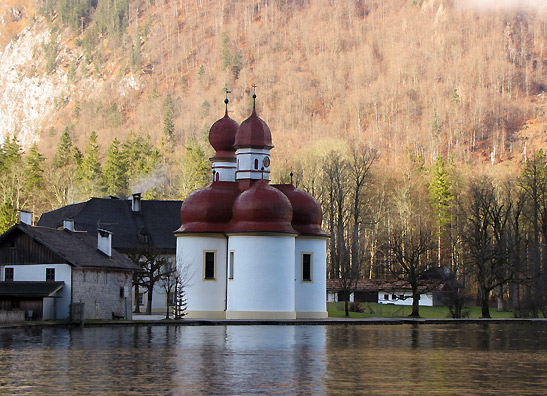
point(29, 289)
point(77, 248)
point(151, 228)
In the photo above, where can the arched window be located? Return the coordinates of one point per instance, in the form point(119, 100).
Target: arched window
point(218, 176)
point(256, 163)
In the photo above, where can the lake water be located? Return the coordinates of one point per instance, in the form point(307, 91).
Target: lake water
point(485, 359)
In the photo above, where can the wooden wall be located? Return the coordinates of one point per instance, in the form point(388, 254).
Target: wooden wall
point(19, 248)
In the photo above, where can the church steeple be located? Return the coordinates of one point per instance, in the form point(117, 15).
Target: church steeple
point(222, 137)
point(253, 143)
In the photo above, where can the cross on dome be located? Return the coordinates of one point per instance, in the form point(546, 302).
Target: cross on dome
point(226, 101)
point(254, 96)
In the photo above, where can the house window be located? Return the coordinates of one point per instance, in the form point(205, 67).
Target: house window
point(306, 267)
point(50, 274)
point(256, 163)
point(394, 296)
point(122, 292)
point(209, 265)
point(231, 266)
point(386, 297)
point(8, 274)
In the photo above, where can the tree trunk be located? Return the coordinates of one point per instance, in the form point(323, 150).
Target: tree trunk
point(167, 306)
point(500, 302)
point(483, 295)
point(415, 306)
point(149, 302)
point(346, 304)
point(137, 305)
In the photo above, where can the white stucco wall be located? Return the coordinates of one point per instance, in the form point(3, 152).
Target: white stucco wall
point(426, 300)
point(264, 276)
point(204, 296)
point(310, 298)
point(226, 170)
point(37, 272)
point(333, 297)
point(246, 163)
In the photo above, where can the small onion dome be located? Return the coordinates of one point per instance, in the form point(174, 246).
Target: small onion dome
point(222, 136)
point(208, 209)
point(253, 132)
point(307, 212)
point(262, 208)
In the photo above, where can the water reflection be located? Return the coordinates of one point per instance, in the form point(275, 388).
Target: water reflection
point(240, 360)
point(295, 360)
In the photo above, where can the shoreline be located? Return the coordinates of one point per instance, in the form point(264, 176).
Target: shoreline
point(273, 322)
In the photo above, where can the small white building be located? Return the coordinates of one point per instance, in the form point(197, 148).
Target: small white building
point(43, 271)
point(403, 297)
point(380, 291)
point(253, 250)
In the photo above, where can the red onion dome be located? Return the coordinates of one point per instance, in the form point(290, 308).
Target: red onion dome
point(222, 136)
point(253, 132)
point(307, 212)
point(209, 209)
point(262, 208)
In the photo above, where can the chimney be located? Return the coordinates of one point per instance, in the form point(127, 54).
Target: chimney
point(104, 241)
point(136, 202)
point(68, 224)
point(26, 217)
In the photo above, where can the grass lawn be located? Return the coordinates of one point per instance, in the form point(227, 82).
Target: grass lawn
point(336, 310)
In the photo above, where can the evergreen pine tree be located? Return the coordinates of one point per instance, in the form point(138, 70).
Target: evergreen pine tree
point(89, 171)
point(441, 197)
point(237, 64)
point(8, 215)
point(11, 182)
point(62, 174)
point(195, 169)
point(440, 194)
point(64, 152)
point(115, 171)
point(226, 56)
point(180, 299)
point(168, 137)
point(140, 154)
point(34, 171)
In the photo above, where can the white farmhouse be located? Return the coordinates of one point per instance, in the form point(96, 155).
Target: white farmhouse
point(44, 271)
point(254, 250)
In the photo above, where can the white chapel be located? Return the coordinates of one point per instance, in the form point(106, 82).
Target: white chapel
point(253, 250)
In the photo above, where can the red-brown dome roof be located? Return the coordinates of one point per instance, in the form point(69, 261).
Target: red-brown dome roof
point(307, 212)
point(253, 132)
point(262, 208)
point(222, 137)
point(209, 209)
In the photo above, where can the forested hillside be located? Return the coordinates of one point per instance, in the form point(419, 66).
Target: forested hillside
point(393, 113)
point(433, 77)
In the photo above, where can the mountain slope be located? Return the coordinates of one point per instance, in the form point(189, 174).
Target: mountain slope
point(428, 78)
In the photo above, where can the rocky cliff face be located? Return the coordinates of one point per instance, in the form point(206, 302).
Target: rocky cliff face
point(26, 96)
point(35, 96)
